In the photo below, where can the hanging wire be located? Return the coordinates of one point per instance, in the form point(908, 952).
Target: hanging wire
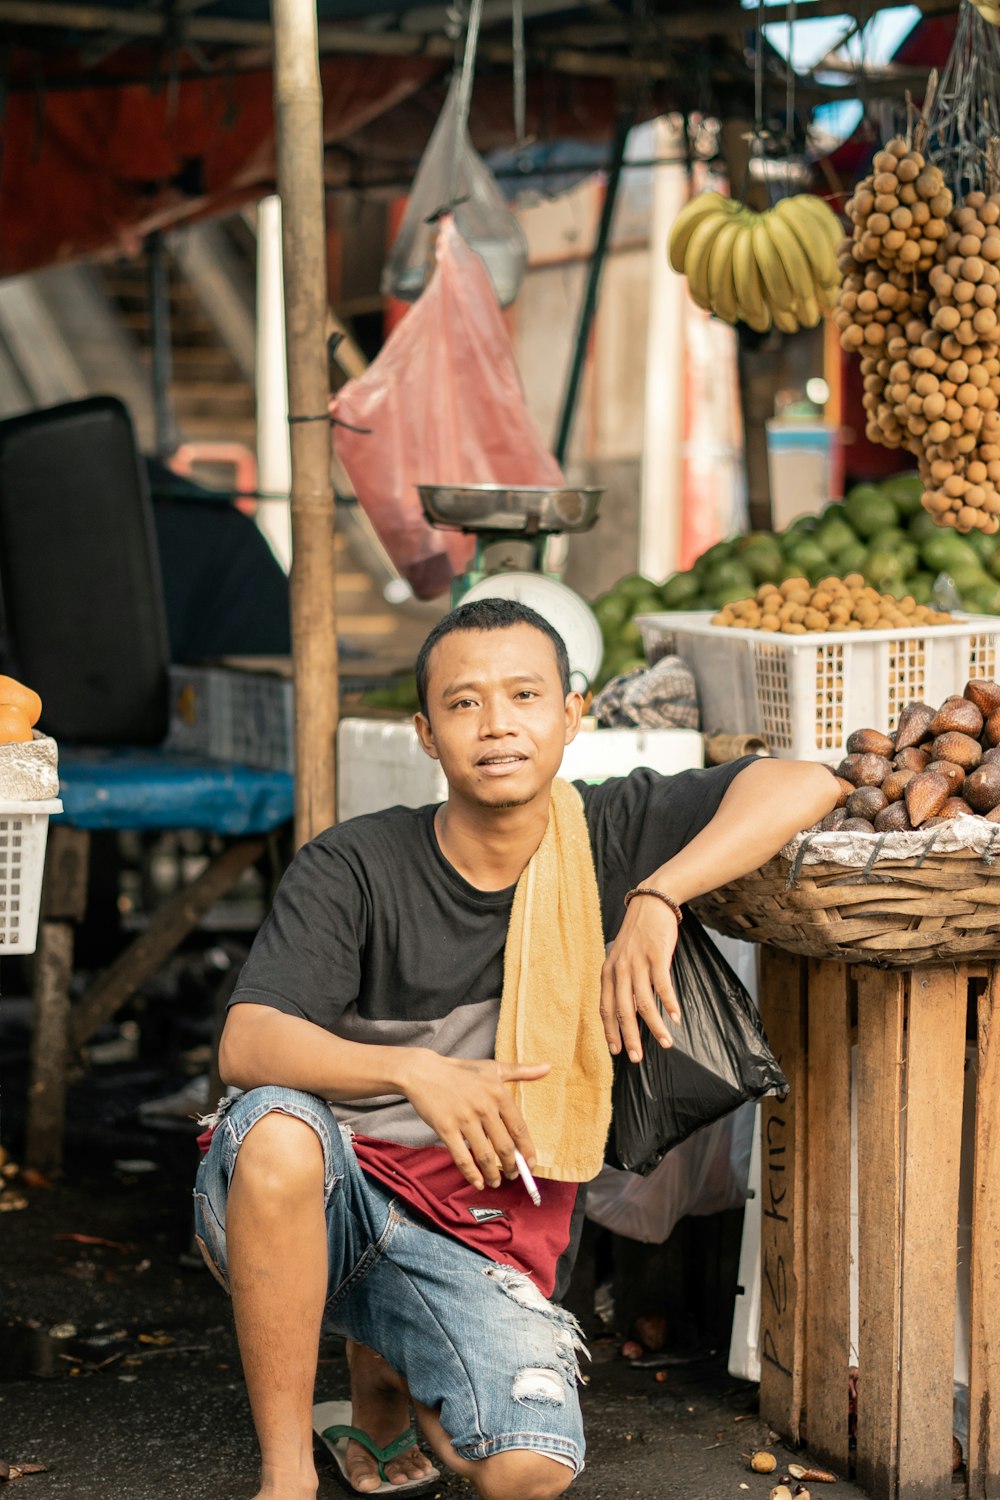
point(790, 94)
point(758, 75)
point(756, 151)
point(790, 75)
point(965, 113)
point(520, 72)
point(465, 92)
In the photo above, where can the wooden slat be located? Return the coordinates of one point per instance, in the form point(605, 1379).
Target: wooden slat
point(935, 1070)
point(50, 1020)
point(782, 1330)
point(983, 1457)
point(170, 925)
point(880, 1065)
point(828, 1233)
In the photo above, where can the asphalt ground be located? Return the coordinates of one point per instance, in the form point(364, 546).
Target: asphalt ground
point(118, 1364)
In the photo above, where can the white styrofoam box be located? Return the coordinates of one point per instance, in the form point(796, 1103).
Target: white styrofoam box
point(233, 714)
point(381, 764)
point(744, 1342)
point(24, 828)
point(804, 694)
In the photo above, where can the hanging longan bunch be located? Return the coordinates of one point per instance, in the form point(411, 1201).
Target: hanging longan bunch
point(900, 212)
point(874, 309)
point(962, 481)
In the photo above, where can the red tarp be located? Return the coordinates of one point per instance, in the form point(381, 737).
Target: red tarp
point(94, 168)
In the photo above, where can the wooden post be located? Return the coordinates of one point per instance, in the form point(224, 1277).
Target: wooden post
point(782, 1318)
point(880, 1069)
point(64, 899)
point(299, 133)
point(984, 1340)
point(828, 1236)
point(935, 1070)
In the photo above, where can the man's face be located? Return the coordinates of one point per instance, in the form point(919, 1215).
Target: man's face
point(497, 718)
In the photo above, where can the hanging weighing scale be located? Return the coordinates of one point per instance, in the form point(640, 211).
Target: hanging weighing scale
point(495, 513)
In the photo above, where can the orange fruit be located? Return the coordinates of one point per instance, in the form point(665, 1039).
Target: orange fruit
point(14, 692)
point(15, 726)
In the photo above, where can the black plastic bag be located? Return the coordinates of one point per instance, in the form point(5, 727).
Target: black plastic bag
point(719, 1060)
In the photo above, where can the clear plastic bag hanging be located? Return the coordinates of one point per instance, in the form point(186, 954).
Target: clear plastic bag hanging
point(451, 173)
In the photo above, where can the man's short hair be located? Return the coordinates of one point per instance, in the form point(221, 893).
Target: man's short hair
point(489, 614)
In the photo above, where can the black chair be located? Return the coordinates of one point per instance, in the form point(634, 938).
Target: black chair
point(80, 574)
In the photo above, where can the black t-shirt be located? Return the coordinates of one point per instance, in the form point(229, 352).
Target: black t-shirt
point(376, 937)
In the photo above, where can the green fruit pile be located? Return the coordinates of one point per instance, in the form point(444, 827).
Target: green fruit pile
point(880, 531)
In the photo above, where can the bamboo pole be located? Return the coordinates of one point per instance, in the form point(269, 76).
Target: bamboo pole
point(299, 135)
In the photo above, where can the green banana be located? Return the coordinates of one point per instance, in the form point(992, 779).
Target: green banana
point(807, 310)
point(746, 278)
point(779, 294)
point(721, 286)
point(696, 257)
point(822, 215)
point(785, 320)
point(815, 244)
point(801, 276)
point(687, 222)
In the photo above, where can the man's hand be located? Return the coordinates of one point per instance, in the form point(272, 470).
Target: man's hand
point(636, 970)
point(472, 1111)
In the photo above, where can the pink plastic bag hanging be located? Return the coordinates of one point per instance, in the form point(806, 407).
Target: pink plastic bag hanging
point(442, 404)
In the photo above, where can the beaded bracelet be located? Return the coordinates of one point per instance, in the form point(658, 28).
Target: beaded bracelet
point(650, 890)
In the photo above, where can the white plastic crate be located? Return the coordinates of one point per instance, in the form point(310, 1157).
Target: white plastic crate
point(380, 764)
point(231, 713)
point(24, 828)
point(804, 694)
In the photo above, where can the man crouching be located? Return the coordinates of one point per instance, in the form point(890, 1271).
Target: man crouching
point(367, 1180)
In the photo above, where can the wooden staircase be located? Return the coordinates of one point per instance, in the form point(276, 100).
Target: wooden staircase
point(213, 401)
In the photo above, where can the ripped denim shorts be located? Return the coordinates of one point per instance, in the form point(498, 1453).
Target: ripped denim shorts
point(473, 1339)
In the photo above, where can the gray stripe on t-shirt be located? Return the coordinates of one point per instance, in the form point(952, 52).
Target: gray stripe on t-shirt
point(468, 1031)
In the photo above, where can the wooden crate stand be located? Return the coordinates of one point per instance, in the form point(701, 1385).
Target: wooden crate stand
point(910, 1028)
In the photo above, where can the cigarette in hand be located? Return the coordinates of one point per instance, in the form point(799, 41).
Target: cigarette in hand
point(528, 1180)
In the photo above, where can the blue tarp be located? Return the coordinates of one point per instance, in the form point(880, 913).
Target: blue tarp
point(156, 789)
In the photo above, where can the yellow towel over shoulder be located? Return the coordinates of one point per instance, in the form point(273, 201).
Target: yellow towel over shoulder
point(550, 1009)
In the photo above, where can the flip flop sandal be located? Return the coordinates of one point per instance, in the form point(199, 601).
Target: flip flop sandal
point(332, 1425)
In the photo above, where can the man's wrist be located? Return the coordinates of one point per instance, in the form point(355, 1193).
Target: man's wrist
point(402, 1066)
point(671, 883)
point(654, 893)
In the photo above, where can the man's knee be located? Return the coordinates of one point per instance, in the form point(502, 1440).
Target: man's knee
point(529, 1476)
point(280, 1160)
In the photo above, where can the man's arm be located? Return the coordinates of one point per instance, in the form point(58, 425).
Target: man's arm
point(466, 1103)
point(766, 804)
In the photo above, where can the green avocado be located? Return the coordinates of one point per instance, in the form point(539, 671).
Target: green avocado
point(904, 490)
point(678, 590)
point(869, 510)
point(834, 534)
point(945, 552)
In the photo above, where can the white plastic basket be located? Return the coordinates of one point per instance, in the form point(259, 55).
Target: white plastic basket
point(805, 694)
point(24, 829)
point(230, 713)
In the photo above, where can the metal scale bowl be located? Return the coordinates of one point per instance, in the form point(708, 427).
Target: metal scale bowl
point(494, 513)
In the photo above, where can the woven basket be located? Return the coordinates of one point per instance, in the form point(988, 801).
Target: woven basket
point(894, 913)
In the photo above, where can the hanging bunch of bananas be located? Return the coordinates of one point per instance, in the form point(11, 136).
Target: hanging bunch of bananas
point(776, 267)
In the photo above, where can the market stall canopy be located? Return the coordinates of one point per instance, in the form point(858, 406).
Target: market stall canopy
point(121, 118)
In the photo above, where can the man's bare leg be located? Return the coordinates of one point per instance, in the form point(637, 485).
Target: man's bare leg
point(529, 1476)
point(520, 1472)
point(277, 1248)
point(380, 1406)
